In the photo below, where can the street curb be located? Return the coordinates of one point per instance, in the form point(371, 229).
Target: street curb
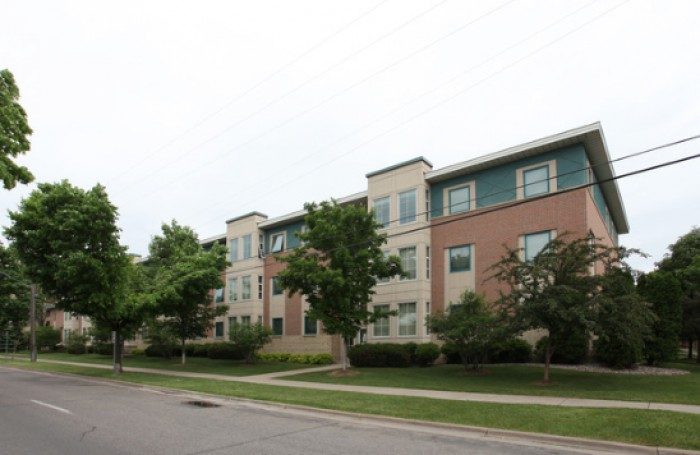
point(465, 431)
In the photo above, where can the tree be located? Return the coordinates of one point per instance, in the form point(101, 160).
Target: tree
point(554, 291)
point(14, 132)
point(470, 325)
point(250, 338)
point(14, 294)
point(684, 263)
point(68, 240)
point(337, 267)
point(663, 291)
point(184, 274)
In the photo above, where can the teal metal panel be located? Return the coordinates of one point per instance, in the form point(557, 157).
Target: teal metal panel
point(290, 229)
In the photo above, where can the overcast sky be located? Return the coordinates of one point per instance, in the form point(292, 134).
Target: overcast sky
point(201, 111)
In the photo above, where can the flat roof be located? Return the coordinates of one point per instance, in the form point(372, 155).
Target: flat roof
point(299, 214)
point(216, 238)
point(591, 136)
point(417, 159)
point(246, 215)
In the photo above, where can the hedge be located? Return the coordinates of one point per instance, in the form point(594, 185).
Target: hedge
point(380, 355)
point(311, 359)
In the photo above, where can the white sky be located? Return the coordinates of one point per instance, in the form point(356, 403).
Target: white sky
point(108, 86)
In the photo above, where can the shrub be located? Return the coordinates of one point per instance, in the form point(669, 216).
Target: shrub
point(250, 339)
point(451, 353)
point(137, 351)
point(310, 359)
point(663, 291)
point(571, 350)
point(379, 355)
point(225, 350)
point(47, 337)
point(426, 354)
point(161, 350)
point(624, 325)
point(77, 344)
point(103, 348)
point(411, 348)
point(512, 350)
point(199, 350)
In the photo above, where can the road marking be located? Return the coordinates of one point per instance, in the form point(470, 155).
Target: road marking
point(66, 411)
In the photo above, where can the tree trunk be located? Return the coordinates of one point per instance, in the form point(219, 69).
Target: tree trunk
point(118, 352)
point(344, 353)
point(547, 361)
point(182, 355)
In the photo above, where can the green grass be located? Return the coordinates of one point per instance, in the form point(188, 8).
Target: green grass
point(524, 380)
point(655, 428)
point(193, 364)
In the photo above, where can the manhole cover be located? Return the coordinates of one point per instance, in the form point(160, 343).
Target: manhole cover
point(202, 404)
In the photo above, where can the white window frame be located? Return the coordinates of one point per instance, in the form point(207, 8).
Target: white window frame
point(273, 236)
point(233, 280)
point(261, 287)
point(415, 319)
point(449, 258)
point(272, 286)
point(231, 250)
point(250, 288)
point(386, 318)
point(520, 178)
point(386, 280)
point(303, 328)
point(415, 263)
point(523, 240)
point(472, 197)
point(374, 205)
point(402, 221)
point(247, 246)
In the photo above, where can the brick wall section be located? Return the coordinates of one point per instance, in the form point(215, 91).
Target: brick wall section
point(292, 305)
point(595, 224)
point(490, 231)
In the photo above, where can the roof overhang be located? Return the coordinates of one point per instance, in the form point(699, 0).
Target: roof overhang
point(593, 140)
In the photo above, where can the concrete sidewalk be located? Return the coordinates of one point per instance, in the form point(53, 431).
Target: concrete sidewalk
point(272, 379)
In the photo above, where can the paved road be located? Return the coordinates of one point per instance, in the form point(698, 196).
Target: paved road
point(52, 414)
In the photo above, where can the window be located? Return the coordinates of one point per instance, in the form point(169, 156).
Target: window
point(247, 246)
point(381, 326)
point(245, 288)
point(427, 204)
point(219, 329)
point(260, 287)
point(536, 181)
point(245, 320)
point(232, 322)
point(459, 199)
point(408, 262)
point(233, 250)
point(427, 262)
point(460, 258)
point(535, 243)
point(382, 211)
point(277, 326)
point(259, 319)
point(310, 326)
point(407, 207)
point(407, 319)
point(233, 289)
point(261, 245)
point(219, 295)
point(277, 243)
point(427, 313)
point(385, 279)
point(276, 286)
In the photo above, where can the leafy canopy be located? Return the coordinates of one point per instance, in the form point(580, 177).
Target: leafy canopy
point(14, 132)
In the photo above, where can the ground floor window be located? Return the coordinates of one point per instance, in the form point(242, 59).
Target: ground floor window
point(219, 329)
point(310, 326)
point(277, 326)
point(407, 319)
point(381, 326)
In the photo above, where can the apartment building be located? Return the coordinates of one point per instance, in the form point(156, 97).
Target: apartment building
point(447, 225)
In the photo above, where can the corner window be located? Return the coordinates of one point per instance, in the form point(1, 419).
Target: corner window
point(233, 250)
point(219, 295)
point(310, 326)
point(407, 207)
point(460, 199)
point(382, 211)
point(247, 246)
point(219, 329)
point(381, 325)
point(276, 286)
point(277, 326)
point(408, 262)
point(245, 288)
point(460, 258)
point(407, 319)
point(535, 243)
point(233, 289)
point(277, 243)
point(536, 181)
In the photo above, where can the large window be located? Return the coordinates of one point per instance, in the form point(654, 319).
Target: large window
point(407, 319)
point(219, 295)
point(310, 326)
point(245, 320)
point(219, 329)
point(382, 211)
point(385, 279)
point(233, 250)
point(461, 258)
point(407, 207)
point(232, 322)
point(233, 289)
point(535, 243)
point(381, 325)
point(247, 246)
point(536, 181)
point(245, 288)
point(277, 326)
point(276, 286)
point(277, 243)
point(460, 199)
point(408, 262)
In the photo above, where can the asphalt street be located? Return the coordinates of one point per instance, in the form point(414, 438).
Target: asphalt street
point(52, 414)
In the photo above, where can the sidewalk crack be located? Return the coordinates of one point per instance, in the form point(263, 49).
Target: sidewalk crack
point(85, 433)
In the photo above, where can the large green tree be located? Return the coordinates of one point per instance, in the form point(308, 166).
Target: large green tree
point(14, 294)
point(337, 266)
point(14, 133)
point(184, 274)
point(663, 291)
point(554, 291)
point(684, 263)
point(68, 240)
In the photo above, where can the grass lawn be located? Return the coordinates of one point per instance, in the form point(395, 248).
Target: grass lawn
point(193, 364)
point(655, 428)
point(523, 380)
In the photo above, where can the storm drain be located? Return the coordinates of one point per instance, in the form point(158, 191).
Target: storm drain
point(202, 404)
